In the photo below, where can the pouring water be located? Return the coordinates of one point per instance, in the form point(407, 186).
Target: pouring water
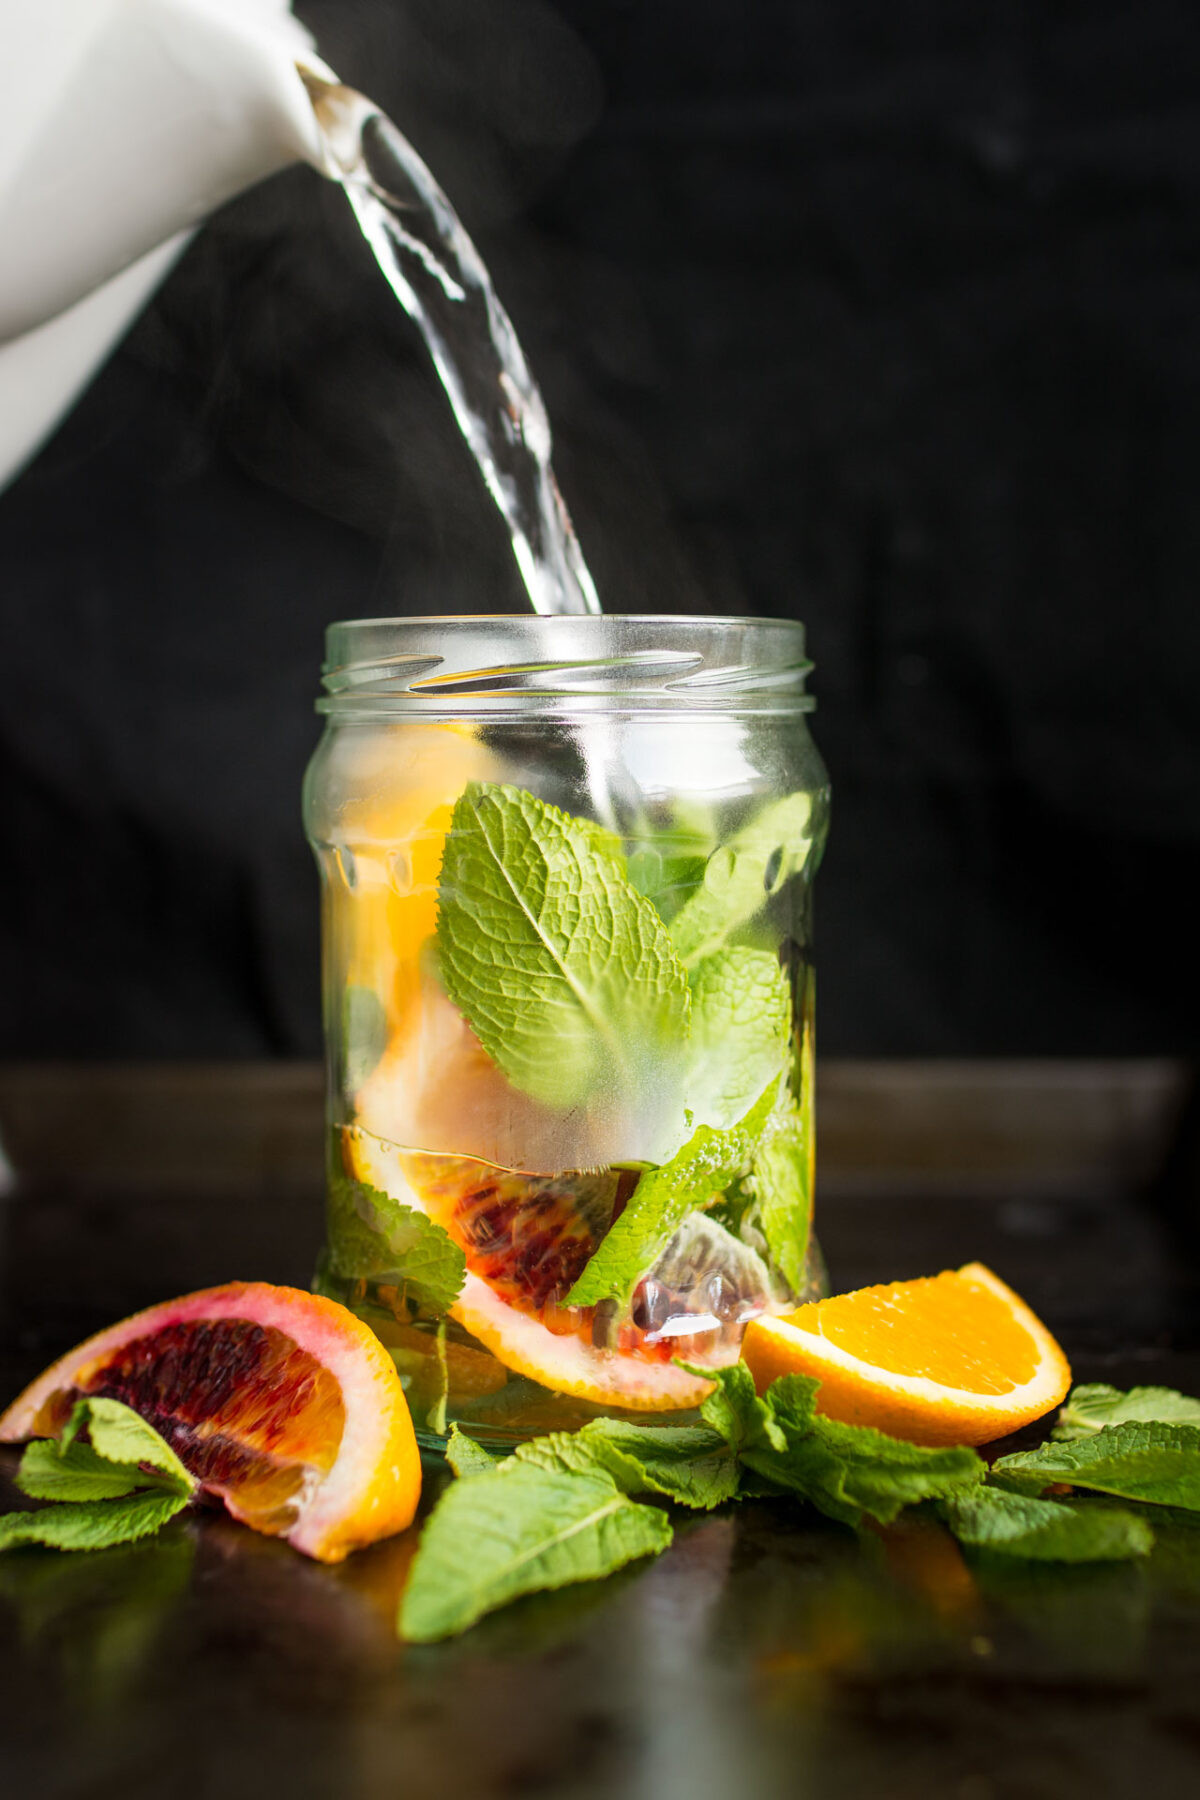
point(441, 281)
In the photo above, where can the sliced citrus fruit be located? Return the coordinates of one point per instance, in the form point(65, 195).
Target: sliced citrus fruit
point(436, 1086)
point(951, 1359)
point(526, 1238)
point(280, 1403)
point(397, 797)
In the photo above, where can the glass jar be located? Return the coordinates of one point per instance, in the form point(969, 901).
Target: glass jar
point(566, 871)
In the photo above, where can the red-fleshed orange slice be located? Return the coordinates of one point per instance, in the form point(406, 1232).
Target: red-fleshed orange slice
point(526, 1238)
point(282, 1404)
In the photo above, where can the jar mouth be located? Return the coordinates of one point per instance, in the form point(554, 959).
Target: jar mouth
point(485, 663)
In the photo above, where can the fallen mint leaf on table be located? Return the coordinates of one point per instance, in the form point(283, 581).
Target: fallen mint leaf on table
point(735, 1410)
point(1156, 1463)
point(1091, 1407)
point(686, 1463)
point(46, 1474)
point(849, 1470)
point(120, 1435)
point(845, 1470)
point(92, 1524)
point(373, 1237)
point(516, 1530)
point(564, 972)
point(122, 1482)
point(989, 1518)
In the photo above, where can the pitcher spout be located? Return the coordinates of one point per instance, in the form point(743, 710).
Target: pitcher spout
point(134, 120)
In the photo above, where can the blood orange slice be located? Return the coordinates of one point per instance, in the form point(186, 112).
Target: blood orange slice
point(282, 1404)
point(526, 1239)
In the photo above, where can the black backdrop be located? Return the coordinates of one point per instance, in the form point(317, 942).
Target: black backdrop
point(887, 315)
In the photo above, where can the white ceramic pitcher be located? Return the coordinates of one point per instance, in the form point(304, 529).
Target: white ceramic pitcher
point(123, 123)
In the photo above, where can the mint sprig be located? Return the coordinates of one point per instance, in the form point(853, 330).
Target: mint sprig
point(781, 1179)
point(776, 1445)
point(120, 1482)
point(741, 1017)
point(581, 995)
point(845, 1470)
point(1092, 1406)
point(373, 1237)
point(1149, 1461)
point(92, 1524)
point(988, 1518)
point(690, 1464)
point(564, 972)
point(751, 866)
point(736, 1412)
point(662, 1200)
point(515, 1530)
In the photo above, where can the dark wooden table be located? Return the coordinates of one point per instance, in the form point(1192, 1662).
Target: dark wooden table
point(768, 1653)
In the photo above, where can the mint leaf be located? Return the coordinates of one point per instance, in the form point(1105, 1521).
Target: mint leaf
point(1091, 1407)
point(121, 1435)
point(1148, 1461)
point(603, 841)
point(667, 856)
point(124, 1453)
point(845, 1470)
point(562, 969)
point(514, 1530)
point(741, 1015)
point(661, 1201)
point(741, 875)
point(668, 877)
point(95, 1482)
point(781, 1179)
point(373, 1237)
point(92, 1524)
point(467, 1457)
point(46, 1474)
point(849, 1470)
point(1044, 1530)
point(687, 1463)
point(736, 1412)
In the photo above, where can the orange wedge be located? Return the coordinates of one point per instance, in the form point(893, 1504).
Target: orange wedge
point(952, 1359)
point(398, 793)
point(281, 1404)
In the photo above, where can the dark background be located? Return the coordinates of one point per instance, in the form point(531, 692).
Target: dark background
point(885, 315)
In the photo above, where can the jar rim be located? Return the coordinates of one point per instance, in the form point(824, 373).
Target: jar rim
point(472, 664)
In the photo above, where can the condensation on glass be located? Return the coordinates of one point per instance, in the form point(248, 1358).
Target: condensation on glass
point(566, 870)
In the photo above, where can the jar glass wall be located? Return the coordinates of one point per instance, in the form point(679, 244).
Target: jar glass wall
point(566, 883)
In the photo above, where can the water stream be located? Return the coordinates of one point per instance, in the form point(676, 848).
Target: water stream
point(440, 279)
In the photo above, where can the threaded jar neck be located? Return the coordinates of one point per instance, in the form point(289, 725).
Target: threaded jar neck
point(480, 664)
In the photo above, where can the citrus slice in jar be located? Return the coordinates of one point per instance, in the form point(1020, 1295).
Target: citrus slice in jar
point(398, 800)
point(955, 1358)
point(281, 1404)
point(526, 1238)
